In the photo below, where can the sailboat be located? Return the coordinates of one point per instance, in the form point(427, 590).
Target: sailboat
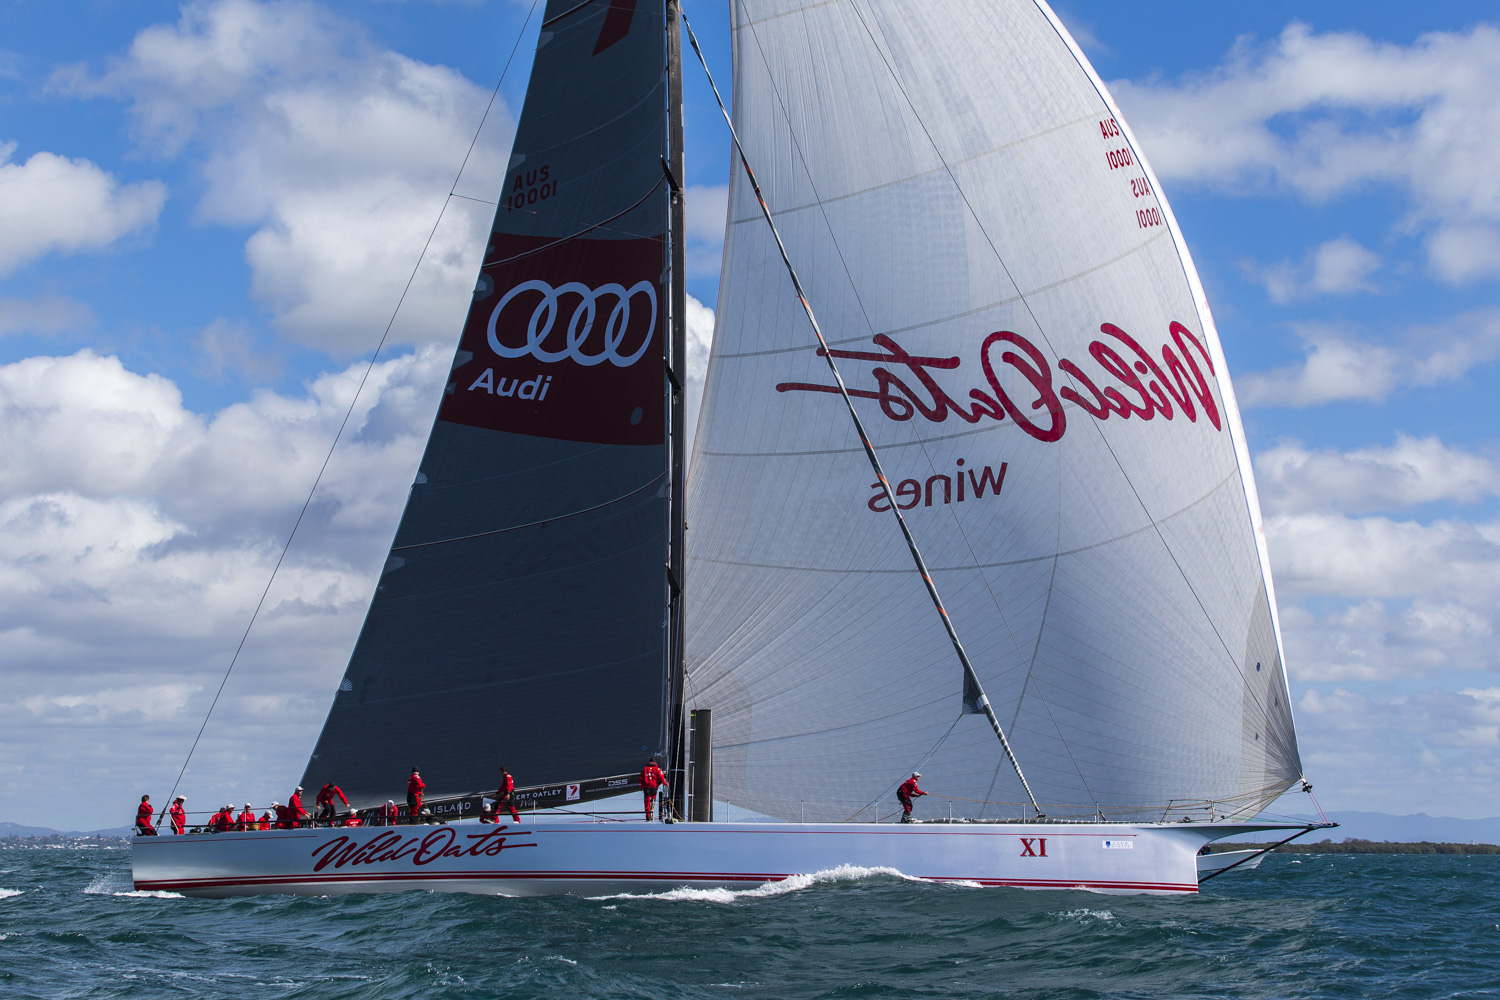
point(970, 496)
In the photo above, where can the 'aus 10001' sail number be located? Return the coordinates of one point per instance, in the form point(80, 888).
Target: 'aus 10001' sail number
point(442, 842)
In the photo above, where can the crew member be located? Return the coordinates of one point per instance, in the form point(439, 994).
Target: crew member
point(178, 815)
point(325, 802)
point(298, 814)
point(505, 796)
point(143, 827)
point(906, 793)
point(265, 821)
point(388, 813)
point(414, 786)
point(223, 820)
point(353, 820)
point(652, 778)
point(283, 816)
point(247, 819)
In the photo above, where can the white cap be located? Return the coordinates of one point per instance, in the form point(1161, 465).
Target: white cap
point(181, 798)
point(916, 774)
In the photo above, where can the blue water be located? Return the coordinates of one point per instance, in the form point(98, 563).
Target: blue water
point(1306, 926)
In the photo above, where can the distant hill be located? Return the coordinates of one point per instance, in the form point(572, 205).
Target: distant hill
point(17, 830)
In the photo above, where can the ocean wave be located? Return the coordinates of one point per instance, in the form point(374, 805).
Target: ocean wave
point(150, 893)
point(792, 883)
point(7, 893)
point(1085, 914)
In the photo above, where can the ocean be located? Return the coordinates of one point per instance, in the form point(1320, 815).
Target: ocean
point(1309, 926)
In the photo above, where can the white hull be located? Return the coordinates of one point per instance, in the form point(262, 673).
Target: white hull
point(541, 858)
point(1208, 864)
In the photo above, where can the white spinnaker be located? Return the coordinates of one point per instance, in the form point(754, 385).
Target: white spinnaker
point(943, 172)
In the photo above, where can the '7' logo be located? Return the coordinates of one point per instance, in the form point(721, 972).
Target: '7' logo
point(1033, 847)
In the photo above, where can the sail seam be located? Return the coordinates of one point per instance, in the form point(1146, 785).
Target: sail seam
point(530, 524)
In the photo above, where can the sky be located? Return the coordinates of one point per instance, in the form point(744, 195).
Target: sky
point(209, 212)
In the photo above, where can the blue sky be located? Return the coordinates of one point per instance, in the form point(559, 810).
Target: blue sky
point(208, 212)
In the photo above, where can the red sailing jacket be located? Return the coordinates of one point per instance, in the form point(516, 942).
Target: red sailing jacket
point(328, 791)
point(178, 816)
point(294, 804)
point(143, 814)
point(506, 787)
point(265, 820)
point(909, 789)
point(388, 814)
point(651, 777)
point(222, 820)
point(414, 785)
point(283, 817)
point(247, 820)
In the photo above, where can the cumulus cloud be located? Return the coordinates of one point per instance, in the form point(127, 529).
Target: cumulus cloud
point(1292, 478)
point(707, 208)
point(1340, 365)
point(1325, 114)
point(1440, 745)
point(53, 204)
point(338, 152)
point(1337, 267)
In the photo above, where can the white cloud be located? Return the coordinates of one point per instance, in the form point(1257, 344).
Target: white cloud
point(1434, 751)
point(1325, 114)
point(1378, 641)
point(135, 538)
point(52, 204)
point(707, 211)
point(1337, 267)
point(1292, 478)
point(338, 152)
point(1341, 366)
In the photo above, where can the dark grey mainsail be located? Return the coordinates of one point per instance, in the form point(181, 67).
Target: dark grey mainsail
point(522, 615)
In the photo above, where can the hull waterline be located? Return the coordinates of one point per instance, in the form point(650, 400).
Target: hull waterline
point(544, 858)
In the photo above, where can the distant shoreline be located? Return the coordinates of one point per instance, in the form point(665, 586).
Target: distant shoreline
point(1353, 846)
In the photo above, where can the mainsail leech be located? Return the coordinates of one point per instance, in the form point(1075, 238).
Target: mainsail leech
point(973, 696)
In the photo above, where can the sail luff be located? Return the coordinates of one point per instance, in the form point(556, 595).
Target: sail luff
point(677, 235)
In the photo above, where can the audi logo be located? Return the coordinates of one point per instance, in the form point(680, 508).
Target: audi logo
point(580, 325)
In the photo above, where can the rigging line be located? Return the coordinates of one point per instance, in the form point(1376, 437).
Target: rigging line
point(931, 465)
point(530, 524)
point(980, 702)
point(1104, 438)
point(494, 95)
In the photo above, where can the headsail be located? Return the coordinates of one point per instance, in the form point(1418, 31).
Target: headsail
point(1011, 302)
point(520, 618)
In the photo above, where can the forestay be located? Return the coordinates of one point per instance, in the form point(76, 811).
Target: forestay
point(1012, 304)
point(520, 616)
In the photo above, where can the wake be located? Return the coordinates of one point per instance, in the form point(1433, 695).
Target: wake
point(766, 890)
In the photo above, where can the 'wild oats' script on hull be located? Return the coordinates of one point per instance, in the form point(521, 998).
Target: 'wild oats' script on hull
point(1163, 388)
point(421, 850)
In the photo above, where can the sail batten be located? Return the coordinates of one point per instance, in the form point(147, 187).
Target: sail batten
point(978, 198)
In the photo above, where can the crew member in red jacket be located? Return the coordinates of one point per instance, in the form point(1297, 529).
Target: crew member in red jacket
point(414, 786)
point(247, 819)
point(388, 813)
point(178, 815)
point(294, 804)
point(505, 796)
point(325, 802)
point(223, 820)
point(906, 793)
point(283, 816)
point(652, 778)
point(143, 827)
point(265, 821)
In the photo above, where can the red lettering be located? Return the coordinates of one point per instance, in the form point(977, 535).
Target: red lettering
point(1037, 372)
point(1028, 847)
point(878, 498)
point(987, 478)
point(436, 842)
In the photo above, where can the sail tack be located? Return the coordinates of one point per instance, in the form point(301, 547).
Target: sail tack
point(520, 616)
point(1023, 331)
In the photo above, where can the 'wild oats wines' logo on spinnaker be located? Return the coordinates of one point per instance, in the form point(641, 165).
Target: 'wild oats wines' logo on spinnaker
point(1148, 388)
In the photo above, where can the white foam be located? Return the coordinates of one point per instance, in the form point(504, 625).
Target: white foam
point(558, 958)
point(792, 883)
point(7, 893)
point(1087, 914)
point(150, 894)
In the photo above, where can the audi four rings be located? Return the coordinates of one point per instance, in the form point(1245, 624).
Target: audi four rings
point(580, 324)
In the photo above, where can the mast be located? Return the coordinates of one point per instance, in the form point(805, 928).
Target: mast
point(676, 378)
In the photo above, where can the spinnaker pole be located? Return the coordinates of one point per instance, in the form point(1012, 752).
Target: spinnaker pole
point(973, 697)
